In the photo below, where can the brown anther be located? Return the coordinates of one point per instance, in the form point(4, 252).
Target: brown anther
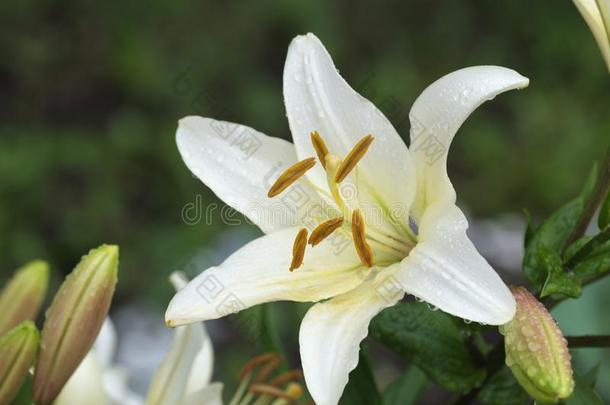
point(353, 157)
point(288, 376)
point(319, 146)
point(264, 389)
point(290, 175)
point(358, 233)
point(323, 230)
point(298, 249)
point(255, 361)
point(264, 372)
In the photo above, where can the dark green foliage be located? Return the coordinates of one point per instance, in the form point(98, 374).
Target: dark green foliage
point(432, 341)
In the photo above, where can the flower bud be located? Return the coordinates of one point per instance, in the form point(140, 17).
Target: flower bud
point(18, 349)
point(536, 350)
point(74, 320)
point(22, 296)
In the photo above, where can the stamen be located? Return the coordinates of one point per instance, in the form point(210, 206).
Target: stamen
point(358, 232)
point(298, 249)
point(319, 146)
point(255, 361)
point(290, 175)
point(353, 157)
point(324, 230)
point(264, 389)
point(264, 373)
point(288, 376)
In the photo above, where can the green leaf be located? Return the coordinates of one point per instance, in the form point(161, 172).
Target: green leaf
point(584, 389)
point(361, 388)
point(558, 281)
point(603, 221)
point(406, 389)
point(589, 256)
point(432, 341)
point(502, 389)
point(554, 233)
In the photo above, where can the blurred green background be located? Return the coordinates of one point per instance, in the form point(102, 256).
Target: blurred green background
point(92, 91)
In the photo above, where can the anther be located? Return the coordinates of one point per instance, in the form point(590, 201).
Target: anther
point(298, 249)
point(265, 371)
point(353, 157)
point(358, 233)
point(323, 230)
point(288, 376)
point(255, 361)
point(290, 175)
point(264, 389)
point(319, 146)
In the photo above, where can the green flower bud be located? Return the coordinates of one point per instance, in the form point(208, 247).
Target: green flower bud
point(18, 349)
point(74, 320)
point(536, 351)
point(23, 295)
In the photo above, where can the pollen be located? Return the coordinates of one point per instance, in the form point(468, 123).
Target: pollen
point(353, 157)
point(324, 230)
point(298, 249)
point(358, 233)
point(290, 175)
point(320, 147)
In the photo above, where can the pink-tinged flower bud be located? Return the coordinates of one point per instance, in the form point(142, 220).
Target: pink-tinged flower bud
point(18, 349)
point(536, 351)
point(23, 295)
point(74, 320)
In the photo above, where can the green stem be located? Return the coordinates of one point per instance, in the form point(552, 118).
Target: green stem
point(588, 341)
point(601, 189)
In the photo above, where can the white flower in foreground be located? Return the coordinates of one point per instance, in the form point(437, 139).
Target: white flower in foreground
point(597, 16)
point(185, 374)
point(381, 218)
point(97, 381)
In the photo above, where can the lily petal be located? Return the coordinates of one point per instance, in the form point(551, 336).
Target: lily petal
point(330, 338)
point(317, 98)
point(239, 164)
point(170, 380)
point(595, 13)
point(258, 273)
point(85, 386)
point(436, 116)
point(105, 343)
point(446, 270)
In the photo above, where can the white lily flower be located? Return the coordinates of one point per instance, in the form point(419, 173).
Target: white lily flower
point(97, 381)
point(382, 218)
point(185, 374)
point(597, 16)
